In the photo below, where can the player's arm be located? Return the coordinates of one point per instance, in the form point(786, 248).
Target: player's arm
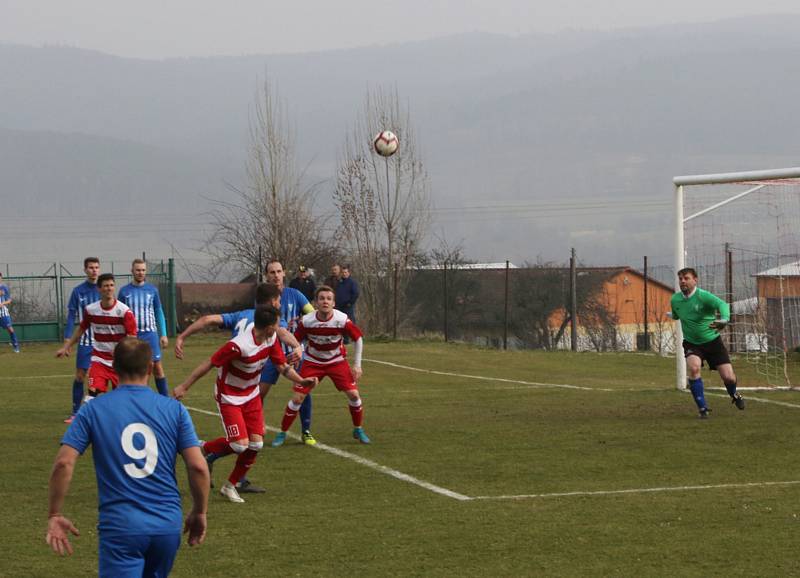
point(199, 483)
point(129, 323)
point(7, 297)
point(72, 314)
point(58, 526)
point(357, 337)
point(279, 361)
point(161, 321)
point(204, 322)
point(76, 335)
point(724, 311)
point(198, 372)
point(285, 336)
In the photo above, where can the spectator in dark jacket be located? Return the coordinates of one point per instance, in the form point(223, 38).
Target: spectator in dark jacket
point(347, 294)
point(304, 283)
point(336, 274)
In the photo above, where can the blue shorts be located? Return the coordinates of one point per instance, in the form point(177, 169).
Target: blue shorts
point(123, 556)
point(270, 373)
point(152, 338)
point(5, 321)
point(84, 357)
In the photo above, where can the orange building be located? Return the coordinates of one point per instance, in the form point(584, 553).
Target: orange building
point(613, 316)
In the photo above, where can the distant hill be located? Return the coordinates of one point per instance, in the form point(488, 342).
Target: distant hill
point(531, 119)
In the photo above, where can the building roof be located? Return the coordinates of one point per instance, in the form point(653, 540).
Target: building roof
point(786, 270)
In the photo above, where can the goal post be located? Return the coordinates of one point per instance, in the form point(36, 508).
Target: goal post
point(741, 232)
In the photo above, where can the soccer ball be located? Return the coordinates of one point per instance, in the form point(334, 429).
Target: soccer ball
point(386, 143)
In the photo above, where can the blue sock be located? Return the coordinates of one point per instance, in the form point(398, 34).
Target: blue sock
point(13, 336)
point(731, 387)
point(211, 458)
point(77, 395)
point(305, 414)
point(161, 386)
point(696, 387)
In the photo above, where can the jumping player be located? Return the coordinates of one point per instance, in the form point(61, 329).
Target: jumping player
point(5, 316)
point(143, 300)
point(82, 295)
point(239, 363)
point(697, 310)
point(325, 354)
point(109, 321)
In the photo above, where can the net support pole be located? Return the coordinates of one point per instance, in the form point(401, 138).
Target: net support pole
point(680, 363)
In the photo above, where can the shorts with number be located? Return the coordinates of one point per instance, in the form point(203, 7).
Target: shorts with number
point(5, 321)
point(153, 340)
point(123, 556)
point(713, 352)
point(241, 421)
point(100, 376)
point(270, 373)
point(83, 359)
point(340, 374)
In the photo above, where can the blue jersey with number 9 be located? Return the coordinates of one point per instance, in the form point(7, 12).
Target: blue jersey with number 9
point(136, 435)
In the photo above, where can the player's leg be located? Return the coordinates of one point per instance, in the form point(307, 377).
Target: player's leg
point(344, 381)
point(305, 421)
point(290, 413)
point(100, 379)
point(121, 556)
point(83, 360)
point(729, 379)
point(160, 555)
point(253, 415)
point(694, 364)
point(6, 323)
point(151, 337)
point(236, 440)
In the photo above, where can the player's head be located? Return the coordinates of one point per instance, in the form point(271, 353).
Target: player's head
point(133, 360)
point(266, 319)
point(139, 270)
point(106, 284)
point(268, 294)
point(336, 270)
point(324, 298)
point(275, 273)
point(687, 279)
point(91, 266)
point(345, 271)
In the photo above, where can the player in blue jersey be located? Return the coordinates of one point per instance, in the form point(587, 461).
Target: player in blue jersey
point(136, 436)
point(236, 322)
point(293, 306)
point(143, 299)
point(5, 316)
point(82, 295)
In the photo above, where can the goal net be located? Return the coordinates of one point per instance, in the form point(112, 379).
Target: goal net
point(741, 232)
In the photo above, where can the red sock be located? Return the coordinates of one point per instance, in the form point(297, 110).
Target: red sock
point(288, 418)
point(357, 413)
point(243, 463)
point(219, 447)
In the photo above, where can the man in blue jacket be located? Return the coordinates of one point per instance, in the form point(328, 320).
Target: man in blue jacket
point(346, 295)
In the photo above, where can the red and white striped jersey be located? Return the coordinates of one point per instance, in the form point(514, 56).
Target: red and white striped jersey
point(108, 327)
point(324, 337)
point(239, 363)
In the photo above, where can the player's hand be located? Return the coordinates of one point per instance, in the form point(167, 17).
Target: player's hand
point(357, 373)
point(57, 537)
point(179, 347)
point(719, 324)
point(195, 526)
point(295, 356)
point(179, 392)
point(164, 342)
point(309, 382)
point(63, 352)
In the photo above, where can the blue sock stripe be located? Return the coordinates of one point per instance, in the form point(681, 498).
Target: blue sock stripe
point(305, 414)
point(696, 387)
point(161, 386)
point(77, 395)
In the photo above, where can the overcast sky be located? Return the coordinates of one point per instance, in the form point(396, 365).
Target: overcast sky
point(169, 28)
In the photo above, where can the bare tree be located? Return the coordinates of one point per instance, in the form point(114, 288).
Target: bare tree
point(383, 203)
point(273, 215)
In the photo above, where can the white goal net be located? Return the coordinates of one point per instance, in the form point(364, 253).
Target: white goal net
point(741, 232)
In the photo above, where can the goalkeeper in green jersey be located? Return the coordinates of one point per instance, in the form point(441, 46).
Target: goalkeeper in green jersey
point(702, 316)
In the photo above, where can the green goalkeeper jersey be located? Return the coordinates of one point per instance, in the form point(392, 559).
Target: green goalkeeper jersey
point(697, 312)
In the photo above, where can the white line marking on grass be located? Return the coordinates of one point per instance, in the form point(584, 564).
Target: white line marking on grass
point(760, 400)
point(9, 378)
point(484, 378)
point(639, 490)
point(365, 462)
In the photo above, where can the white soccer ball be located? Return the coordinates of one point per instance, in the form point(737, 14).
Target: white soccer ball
point(386, 143)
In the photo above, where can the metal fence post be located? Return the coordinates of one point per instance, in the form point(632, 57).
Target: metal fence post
point(573, 301)
point(172, 315)
point(505, 311)
point(444, 293)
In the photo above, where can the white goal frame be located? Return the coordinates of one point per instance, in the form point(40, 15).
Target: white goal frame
point(681, 220)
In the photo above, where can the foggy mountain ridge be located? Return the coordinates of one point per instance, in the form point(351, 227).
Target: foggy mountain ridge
point(529, 118)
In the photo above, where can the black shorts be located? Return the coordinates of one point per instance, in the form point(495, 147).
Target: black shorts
point(713, 353)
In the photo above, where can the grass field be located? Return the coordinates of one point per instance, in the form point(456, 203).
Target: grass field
point(465, 476)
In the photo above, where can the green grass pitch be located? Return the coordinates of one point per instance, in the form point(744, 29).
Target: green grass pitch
point(544, 469)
